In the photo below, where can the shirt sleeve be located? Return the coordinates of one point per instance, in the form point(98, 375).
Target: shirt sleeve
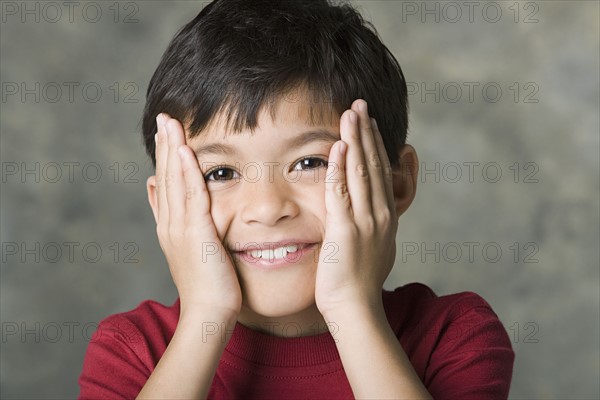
point(112, 367)
point(474, 357)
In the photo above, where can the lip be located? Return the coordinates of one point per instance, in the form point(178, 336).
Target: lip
point(248, 247)
point(298, 257)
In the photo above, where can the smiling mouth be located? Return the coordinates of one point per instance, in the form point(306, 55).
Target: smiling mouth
point(274, 253)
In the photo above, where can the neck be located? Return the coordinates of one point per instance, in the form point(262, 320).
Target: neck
point(307, 322)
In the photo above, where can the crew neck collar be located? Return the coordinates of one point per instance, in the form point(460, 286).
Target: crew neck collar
point(278, 351)
point(261, 348)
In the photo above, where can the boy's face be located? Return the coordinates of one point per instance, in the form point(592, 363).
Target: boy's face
point(270, 190)
point(269, 186)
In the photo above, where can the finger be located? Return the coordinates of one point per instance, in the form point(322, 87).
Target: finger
point(357, 178)
point(372, 156)
point(174, 176)
point(386, 168)
point(337, 198)
point(197, 198)
point(162, 149)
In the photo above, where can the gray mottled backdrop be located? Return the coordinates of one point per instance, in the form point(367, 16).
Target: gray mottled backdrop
point(504, 116)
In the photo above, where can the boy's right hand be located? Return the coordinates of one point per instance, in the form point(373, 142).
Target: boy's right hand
point(202, 270)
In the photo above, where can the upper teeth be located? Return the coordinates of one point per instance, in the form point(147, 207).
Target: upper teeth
point(279, 252)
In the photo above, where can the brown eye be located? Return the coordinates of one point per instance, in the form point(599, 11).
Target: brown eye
point(220, 175)
point(309, 163)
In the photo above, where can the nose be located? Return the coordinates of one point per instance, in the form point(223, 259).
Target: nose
point(268, 200)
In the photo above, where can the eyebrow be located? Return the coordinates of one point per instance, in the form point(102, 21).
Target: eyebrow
point(302, 139)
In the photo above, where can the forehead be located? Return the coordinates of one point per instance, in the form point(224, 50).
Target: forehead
point(302, 109)
point(294, 111)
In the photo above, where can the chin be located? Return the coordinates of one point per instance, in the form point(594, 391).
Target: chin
point(278, 294)
point(278, 303)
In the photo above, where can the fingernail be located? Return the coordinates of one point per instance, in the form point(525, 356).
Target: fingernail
point(159, 120)
point(374, 122)
point(352, 117)
point(342, 148)
point(362, 106)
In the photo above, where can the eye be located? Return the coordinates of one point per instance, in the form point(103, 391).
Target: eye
point(220, 174)
point(311, 163)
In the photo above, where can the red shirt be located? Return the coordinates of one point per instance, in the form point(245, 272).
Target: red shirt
point(456, 344)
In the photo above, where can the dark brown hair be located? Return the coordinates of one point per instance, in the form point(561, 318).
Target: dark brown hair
point(237, 56)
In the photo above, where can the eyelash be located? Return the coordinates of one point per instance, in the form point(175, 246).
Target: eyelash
point(212, 171)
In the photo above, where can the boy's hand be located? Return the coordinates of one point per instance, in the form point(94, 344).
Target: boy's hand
point(201, 268)
point(359, 247)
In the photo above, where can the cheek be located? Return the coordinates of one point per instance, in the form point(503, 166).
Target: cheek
point(221, 214)
point(319, 201)
point(311, 199)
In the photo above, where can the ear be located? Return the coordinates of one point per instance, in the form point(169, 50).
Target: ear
point(152, 195)
point(404, 178)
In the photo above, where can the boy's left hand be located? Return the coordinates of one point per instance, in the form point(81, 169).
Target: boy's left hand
point(359, 247)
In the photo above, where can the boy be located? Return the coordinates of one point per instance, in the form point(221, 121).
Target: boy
point(280, 262)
